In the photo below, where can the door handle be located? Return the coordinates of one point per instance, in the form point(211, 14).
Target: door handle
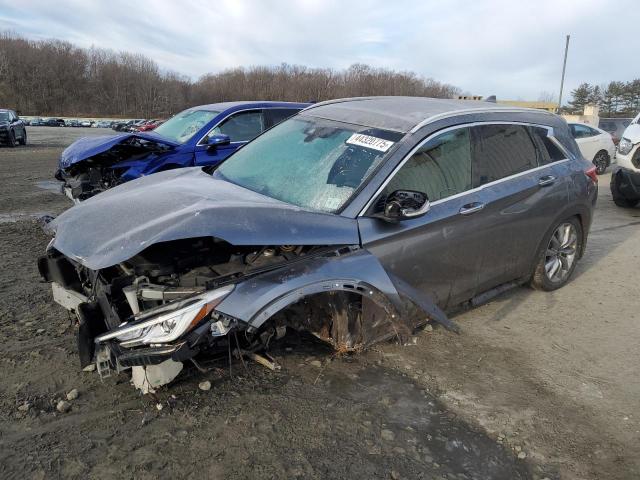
point(546, 180)
point(470, 208)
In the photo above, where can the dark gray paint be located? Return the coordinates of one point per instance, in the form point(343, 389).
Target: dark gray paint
point(257, 298)
point(443, 254)
point(187, 203)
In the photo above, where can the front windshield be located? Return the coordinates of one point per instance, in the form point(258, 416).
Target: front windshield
point(185, 125)
point(4, 116)
point(309, 162)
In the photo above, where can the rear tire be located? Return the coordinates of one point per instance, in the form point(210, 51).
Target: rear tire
point(558, 255)
point(601, 161)
point(618, 197)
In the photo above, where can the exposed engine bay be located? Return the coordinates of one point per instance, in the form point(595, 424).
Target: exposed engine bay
point(158, 309)
point(100, 172)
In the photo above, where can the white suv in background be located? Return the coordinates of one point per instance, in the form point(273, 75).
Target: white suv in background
point(595, 144)
point(625, 180)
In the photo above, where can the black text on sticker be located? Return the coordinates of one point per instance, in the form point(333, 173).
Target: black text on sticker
point(370, 142)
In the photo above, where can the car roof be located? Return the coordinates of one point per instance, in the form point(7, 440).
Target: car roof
point(402, 114)
point(222, 106)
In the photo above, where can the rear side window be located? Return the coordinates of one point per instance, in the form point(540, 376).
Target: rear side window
point(550, 152)
point(440, 168)
point(582, 131)
point(241, 126)
point(277, 115)
point(500, 151)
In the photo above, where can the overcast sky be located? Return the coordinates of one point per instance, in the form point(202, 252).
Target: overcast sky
point(509, 48)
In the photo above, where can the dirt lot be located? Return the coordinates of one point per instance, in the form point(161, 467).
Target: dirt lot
point(550, 376)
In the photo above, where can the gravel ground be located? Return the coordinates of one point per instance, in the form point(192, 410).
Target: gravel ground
point(538, 385)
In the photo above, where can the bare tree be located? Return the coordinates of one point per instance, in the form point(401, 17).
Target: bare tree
point(56, 78)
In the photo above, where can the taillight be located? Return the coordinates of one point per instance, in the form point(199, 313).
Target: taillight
point(592, 174)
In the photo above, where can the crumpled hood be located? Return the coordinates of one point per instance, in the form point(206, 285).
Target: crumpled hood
point(632, 132)
point(117, 224)
point(87, 147)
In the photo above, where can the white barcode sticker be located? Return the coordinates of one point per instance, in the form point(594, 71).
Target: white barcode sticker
point(368, 141)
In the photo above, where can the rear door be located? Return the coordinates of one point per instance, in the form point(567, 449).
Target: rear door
point(241, 127)
point(587, 140)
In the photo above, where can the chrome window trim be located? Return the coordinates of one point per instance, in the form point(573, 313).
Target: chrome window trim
point(466, 111)
point(199, 144)
point(550, 135)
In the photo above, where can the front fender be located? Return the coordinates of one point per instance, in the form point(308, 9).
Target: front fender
point(257, 299)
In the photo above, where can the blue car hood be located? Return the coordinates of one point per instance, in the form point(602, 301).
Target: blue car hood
point(187, 203)
point(87, 147)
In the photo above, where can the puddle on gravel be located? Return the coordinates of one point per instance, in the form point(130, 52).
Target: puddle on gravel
point(49, 185)
point(42, 217)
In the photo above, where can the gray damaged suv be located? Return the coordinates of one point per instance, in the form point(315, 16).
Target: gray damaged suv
point(355, 220)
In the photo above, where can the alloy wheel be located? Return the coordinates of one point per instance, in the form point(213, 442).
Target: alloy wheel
point(561, 252)
point(601, 162)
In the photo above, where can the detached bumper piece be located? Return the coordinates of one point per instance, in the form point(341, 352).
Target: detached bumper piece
point(627, 183)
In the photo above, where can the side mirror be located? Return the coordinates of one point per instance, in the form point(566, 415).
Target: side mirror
point(215, 141)
point(403, 204)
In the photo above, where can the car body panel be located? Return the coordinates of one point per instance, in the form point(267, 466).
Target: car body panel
point(88, 147)
point(187, 203)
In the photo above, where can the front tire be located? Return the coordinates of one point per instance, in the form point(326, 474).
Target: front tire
point(12, 138)
point(23, 140)
point(558, 255)
point(601, 162)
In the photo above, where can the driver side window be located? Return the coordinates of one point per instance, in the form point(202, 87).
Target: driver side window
point(440, 168)
point(242, 126)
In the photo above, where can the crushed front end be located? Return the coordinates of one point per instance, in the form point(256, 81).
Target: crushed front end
point(160, 305)
point(90, 166)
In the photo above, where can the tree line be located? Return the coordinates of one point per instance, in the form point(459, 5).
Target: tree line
point(617, 99)
point(53, 77)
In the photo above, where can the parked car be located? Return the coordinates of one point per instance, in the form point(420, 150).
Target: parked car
point(625, 179)
point(72, 123)
point(615, 127)
point(102, 124)
point(341, 220)
point(86, 123)
point(37, 122)
point(200, 136)
point(124, 125)
point(54, 122)
point(134, 126)
point(12, 129)
point(595, 144)
point(148, 125)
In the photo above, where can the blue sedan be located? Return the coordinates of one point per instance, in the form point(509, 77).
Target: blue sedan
point(199, 136)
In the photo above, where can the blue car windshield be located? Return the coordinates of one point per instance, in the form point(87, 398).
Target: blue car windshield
point(310, 162)
point(4, 116)
point(181, 127)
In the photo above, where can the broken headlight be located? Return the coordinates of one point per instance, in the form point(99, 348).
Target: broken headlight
point(169, 322)
point(625, 146)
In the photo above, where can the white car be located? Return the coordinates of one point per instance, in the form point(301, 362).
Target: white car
point(625, 180)
point(595, 144)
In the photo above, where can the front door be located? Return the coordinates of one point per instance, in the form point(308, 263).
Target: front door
point(436, 253)
point(241, 127)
